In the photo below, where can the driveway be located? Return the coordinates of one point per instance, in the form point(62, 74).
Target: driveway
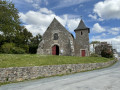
point(103, 79)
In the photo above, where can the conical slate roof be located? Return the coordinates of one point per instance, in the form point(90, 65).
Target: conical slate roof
point(81, 26)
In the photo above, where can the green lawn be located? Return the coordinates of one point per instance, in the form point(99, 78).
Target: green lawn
point(24, 60)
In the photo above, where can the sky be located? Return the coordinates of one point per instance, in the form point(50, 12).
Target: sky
point(101, 16)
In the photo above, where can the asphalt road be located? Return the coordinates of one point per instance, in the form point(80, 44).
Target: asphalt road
point(103, 79)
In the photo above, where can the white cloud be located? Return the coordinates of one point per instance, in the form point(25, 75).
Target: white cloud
point(95, 17)
point(35, 29)
point(108, 9)
point(96, 37)
point(114, 31)
point(68, 3)
point(36, 6)
point(72, 24)
point(38, 21)
point(35, 3)
point(45, 10)
point(29, 1)
point(92, 16)
point(115, 42)
point(97, 28)
point(103, 34)
point(110, 31)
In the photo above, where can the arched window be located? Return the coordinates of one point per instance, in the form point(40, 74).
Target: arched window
point(55, 36)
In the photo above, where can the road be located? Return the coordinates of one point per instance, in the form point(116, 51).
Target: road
point(103, 79)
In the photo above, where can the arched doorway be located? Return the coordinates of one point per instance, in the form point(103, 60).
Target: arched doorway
point(55, 50)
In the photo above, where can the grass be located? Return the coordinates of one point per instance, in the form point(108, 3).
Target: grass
point(27, 60)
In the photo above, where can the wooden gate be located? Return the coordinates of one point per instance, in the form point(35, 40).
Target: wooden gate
point(83, 53)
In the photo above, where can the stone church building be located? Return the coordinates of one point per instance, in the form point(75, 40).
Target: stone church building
point(58, 41)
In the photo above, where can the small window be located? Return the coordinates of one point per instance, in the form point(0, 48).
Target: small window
point(81, 33)
point(55, 36)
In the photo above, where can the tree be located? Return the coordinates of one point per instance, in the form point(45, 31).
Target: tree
point(9, 19)
point(104, 49)
point(23, 37)
point(106, 53)
point(34, 43)
point(11, 30)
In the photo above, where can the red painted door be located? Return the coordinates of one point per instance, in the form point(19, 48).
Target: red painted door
point(83, 53)
point(54, 50)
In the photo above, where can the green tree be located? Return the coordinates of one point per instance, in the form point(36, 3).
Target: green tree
point(34, 43)
point(9, 20)
point(11, 30)
point(107, 53)
point(23, 37)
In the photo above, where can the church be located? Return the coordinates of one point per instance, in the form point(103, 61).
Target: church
point(59, 41)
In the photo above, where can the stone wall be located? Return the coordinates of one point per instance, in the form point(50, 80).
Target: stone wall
point(23, 73)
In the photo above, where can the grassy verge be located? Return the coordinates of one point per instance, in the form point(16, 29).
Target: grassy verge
point(26, 60)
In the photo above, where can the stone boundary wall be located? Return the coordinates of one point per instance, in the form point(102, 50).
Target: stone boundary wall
point(25, 73)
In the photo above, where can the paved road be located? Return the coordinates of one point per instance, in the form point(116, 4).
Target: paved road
point(103, 79)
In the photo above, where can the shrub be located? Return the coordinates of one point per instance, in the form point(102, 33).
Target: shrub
point(17, 50)
point(94, 55)
point(7, 48)
point(25, 47)
point(107, 54)
point(10, 48)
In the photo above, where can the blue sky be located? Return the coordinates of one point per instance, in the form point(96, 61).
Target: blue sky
point(101, 16)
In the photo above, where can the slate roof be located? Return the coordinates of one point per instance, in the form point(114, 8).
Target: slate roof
point(81, 26)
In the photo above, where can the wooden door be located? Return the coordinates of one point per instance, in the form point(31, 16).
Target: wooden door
point(83, 53)
point(54, 50)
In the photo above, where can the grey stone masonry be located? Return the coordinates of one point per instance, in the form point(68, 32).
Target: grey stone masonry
point(82, 39)
point(58, 41)
point(64, 40)
point(22, 73)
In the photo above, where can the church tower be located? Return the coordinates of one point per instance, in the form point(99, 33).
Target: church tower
point(82, 40)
